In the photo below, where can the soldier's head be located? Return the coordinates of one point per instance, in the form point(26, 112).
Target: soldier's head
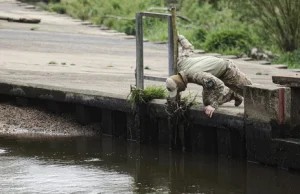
point(175, 85)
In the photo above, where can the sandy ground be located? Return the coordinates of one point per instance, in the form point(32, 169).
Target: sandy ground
point(36, 121)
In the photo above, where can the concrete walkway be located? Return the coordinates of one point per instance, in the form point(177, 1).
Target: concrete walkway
point(63, 52)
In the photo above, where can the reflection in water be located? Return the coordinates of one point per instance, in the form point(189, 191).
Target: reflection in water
point(95, 165)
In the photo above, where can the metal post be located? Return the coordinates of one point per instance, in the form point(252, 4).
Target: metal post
point(139, 51)
point(171, 46)
point(175, 39)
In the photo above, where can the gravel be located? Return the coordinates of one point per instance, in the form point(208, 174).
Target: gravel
point(36, 121)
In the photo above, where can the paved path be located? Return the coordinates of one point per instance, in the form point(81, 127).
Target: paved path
point(64, 52)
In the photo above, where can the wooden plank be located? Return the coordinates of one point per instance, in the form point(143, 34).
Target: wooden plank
point(155, 15)
point(264, 62)
point(21, 20)
point(280, 66)
point(287, 80)
point(196, 51)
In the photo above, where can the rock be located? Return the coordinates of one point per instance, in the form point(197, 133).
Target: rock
point(254, 52)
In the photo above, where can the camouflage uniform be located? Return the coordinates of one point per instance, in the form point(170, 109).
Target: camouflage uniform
point(219, 89)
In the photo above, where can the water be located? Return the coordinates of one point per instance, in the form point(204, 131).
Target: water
point(95, 165)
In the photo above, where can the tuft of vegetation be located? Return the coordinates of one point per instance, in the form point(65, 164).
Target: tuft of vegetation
point(138, 96)
point(190, 100)
point(34, 28)
point(52, 63)
point(292, 59)
point(147, 67)
point(229, 42)
point(58, 8)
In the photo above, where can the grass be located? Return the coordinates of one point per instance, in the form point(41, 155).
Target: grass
point(138, 96)
point(34, 28)
point(190, 100)
point(291, 59)
point(206, 19)
point(52, 63)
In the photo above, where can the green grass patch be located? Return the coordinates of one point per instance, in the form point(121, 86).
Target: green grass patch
point(34, 28)
point(52, 63)
point(225, 27)
point(291, 59)
point(190, 100)
point(138, 96)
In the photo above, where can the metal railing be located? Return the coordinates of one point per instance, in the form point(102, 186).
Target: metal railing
point(172, 46)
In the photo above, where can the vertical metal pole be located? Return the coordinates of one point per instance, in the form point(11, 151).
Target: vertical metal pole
point(139, 51)
point(175, 39)
point(171, 46)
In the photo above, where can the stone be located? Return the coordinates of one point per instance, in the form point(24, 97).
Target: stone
point(254, 52)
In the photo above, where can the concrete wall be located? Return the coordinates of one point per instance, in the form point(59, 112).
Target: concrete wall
point(267, 116)
point(232, 134)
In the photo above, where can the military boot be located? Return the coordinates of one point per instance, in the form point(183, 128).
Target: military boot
point(238, 100)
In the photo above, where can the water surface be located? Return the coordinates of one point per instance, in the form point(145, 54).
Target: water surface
point(95, 165)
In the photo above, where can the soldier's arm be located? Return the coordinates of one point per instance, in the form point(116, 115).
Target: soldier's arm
point(187, 47)
point(215, 93)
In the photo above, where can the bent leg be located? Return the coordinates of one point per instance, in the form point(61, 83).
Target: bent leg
point(235, 79)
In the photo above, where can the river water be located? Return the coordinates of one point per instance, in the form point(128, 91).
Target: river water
point(105, 165)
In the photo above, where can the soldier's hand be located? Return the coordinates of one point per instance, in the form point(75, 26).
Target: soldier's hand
point(209, 110)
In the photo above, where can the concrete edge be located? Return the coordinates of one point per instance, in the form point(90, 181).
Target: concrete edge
point(85, 97)
point(221, 119)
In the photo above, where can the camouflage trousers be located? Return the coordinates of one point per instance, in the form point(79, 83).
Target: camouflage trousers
point(227, 87)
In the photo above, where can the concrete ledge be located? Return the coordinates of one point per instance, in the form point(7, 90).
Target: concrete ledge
point(268, 103)
point(222, 118)
point(288, 80)
point(85, 97)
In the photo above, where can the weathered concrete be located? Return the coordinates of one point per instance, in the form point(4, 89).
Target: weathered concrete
point(268, 103)
point(267, 116)
point(288, 80)
point(294, 83)
point(85, 97)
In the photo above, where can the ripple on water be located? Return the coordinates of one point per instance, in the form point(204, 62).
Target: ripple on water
point(93, 160)
point(2, 151)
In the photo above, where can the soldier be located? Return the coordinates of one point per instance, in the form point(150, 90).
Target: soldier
point(221, 79)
